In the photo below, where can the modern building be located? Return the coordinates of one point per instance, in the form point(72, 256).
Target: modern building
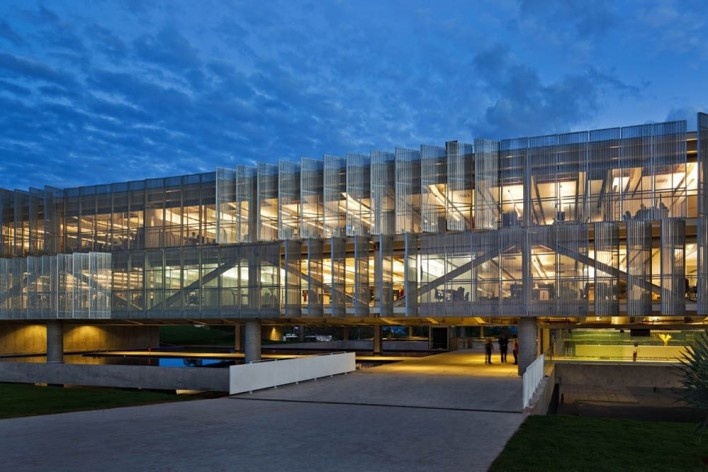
point(601, 231)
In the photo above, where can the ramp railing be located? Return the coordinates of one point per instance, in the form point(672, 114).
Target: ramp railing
point(260, 375)
point(532, 379)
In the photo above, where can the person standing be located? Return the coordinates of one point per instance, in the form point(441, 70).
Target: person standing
point(503, 347)
point(515, 351)
point(488, 348)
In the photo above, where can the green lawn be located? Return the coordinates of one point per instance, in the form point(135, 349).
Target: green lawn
point(30, 400)
point(570, 443)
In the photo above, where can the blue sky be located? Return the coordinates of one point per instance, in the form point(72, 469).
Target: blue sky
point(104, 91)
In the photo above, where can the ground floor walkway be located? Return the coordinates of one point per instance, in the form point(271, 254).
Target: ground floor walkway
point(445, 412)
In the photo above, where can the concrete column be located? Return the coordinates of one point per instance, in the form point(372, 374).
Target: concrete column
point(55, 342)
point(378, 341)
point(528, 333)
point(238, 345)
point(253, 341)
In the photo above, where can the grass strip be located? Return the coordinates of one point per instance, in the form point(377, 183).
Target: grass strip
point(570, 443)
point(29, 400)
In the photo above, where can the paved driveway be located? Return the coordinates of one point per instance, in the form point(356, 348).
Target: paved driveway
point(379, 419)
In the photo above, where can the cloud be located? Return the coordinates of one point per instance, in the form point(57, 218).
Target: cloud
point(175, 87)
point(39, 17)
point(520, 104)
point(690, 114)
point(673, 27)
point(570, 19)
point(151, 97)
point(168, 48)
point(19, 67)
point(117, 111)
point(9, 34)
point(106, 43)
point(63, 42)
point(14, 89)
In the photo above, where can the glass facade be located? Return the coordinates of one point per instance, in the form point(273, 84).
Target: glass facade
point(593, 228)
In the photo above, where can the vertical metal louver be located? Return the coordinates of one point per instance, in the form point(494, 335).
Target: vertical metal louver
point(339, 276)
point(63, 286)
point(607, 283)
point(407, 191)
point(335, 197)
point(358, 195)
point(639, 273)
point(288, 200)
point(605, 181)
point(411, 275)
point(384, 275)
point(314, 289)
point(246, 205)
point(226, 215)
point(383, 193)
point(433, 180)
point(460, 189)
point(292, 285)
point(267, 199)
point(702, 236)
point(486, 184)
point(673, 267)
point(311, 217)
point(362, 289)
point(571, 243)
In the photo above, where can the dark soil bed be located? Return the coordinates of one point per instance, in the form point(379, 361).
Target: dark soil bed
point(645, 404)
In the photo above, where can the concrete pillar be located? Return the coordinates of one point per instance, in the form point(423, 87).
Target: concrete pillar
point(378, 341)
point(528, 334)
point(252, 341)
point(55, 342)
point(410, 332)
point(238, 345)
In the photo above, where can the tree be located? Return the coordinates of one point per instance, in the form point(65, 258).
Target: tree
point(694, 367)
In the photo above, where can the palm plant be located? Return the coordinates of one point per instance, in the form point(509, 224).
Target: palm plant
point(694, 367)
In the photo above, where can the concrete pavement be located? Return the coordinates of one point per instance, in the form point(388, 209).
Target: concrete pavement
point(443, 412)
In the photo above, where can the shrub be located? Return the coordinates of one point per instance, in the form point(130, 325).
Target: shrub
point(694, 367)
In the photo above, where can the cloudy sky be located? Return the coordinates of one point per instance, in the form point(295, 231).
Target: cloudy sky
point(105, 91)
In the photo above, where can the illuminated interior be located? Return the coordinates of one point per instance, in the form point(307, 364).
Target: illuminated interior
point(596, 228)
